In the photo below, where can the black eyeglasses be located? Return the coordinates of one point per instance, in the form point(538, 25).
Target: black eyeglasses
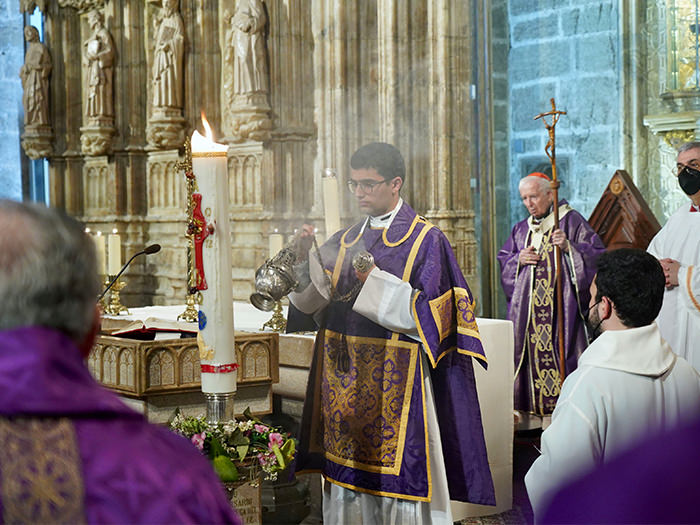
point(366, 186)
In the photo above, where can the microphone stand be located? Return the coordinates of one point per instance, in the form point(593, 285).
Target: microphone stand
point(115, 307)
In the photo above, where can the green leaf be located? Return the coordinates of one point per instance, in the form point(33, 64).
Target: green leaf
point(216, 448)
point(288, 449)
point(242, 451)
point(225, 468)
point(280, 457)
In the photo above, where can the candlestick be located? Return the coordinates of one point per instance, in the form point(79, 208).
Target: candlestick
point(114, 261)
point(99, 241)
point(276, 242)
point(216, 340)
point(331, 204)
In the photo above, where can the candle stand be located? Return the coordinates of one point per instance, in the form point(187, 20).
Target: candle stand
point(115, 307)
point(277, 322)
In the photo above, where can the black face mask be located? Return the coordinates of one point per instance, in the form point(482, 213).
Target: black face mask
point(593, 322)
point(689, 180)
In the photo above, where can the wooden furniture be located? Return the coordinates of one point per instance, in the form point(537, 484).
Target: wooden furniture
point(622, 217)
point(155, 377)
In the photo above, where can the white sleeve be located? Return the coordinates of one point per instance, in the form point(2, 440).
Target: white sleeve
point(570, 446)
point(315, 296)
point(386, 300)
point(689, 283)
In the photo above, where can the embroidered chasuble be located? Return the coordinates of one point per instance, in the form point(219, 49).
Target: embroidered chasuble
point(530, 291)
point(364, 422)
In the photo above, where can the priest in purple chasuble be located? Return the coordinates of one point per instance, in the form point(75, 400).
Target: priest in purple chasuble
point(71, 451)
point(392, 416)
point(528, 278)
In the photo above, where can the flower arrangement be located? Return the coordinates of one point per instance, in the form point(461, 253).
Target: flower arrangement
point(238, 449)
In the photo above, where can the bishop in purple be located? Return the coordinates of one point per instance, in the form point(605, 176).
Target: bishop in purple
point(528, 279)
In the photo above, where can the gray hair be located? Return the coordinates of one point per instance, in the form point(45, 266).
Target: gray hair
point(688, 146)
point(48, 270)
point(543, 184)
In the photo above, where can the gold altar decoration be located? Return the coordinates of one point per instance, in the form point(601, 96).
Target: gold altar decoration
point(683, 45)
point(550, 150)
point(276, 323)
point(115, 307)
point(193, 296)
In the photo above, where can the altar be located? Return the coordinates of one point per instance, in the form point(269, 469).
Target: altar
point(155, 376)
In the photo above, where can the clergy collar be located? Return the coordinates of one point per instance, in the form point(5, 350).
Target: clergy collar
point(384, 220)
point(537, 220)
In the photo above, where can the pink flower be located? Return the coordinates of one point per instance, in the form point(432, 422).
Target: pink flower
point(275, 439)
point(261, 428)
point(198, 440)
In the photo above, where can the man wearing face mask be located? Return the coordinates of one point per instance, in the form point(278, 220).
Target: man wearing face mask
point(628, 383)
point(677, 246)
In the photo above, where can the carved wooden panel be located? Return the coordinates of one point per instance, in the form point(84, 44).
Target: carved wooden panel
point(622, 217)
point(140, 368)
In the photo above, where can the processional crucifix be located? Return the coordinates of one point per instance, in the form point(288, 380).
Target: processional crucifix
point(550, 150)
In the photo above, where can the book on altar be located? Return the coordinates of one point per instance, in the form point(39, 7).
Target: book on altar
point(151, 321)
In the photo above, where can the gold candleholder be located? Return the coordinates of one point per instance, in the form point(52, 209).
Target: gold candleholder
point(115, 307)
point(277, 322)
point(190, 315)
point(103, 299)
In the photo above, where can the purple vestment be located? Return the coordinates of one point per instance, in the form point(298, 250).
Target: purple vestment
point(364, 420)
point(530, 292)
point(73, 447)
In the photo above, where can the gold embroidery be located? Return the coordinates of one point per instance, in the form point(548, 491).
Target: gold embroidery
point(690, 290)
point(443, 310)
point(365, 411)
point(41, 471)
point(548, 382)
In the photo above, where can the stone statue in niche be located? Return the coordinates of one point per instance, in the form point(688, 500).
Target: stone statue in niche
point(245, 77)
point(168, 58)
point(37, 136)
point(35, 80)
point(165, 129)
point(98, 57)
point(248, 41)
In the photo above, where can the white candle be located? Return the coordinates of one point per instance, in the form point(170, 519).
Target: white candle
point(276, 243)
point(114, 252)
point(216, 341)
point(331, 205)
point(99, 240)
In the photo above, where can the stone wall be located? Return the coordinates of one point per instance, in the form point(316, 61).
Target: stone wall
point(569, 50)
point(11, 59)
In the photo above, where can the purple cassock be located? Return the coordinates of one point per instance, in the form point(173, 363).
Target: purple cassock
point(530, 292)
point(73, 452)
point(364, 422)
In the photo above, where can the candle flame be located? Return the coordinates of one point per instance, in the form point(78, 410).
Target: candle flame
point(98, 232)
point(115, 230)
point(202, 144)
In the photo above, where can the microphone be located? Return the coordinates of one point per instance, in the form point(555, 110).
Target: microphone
point(148, 250)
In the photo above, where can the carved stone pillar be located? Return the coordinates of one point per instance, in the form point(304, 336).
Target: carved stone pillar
point(450, 203)
point(100, 187)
